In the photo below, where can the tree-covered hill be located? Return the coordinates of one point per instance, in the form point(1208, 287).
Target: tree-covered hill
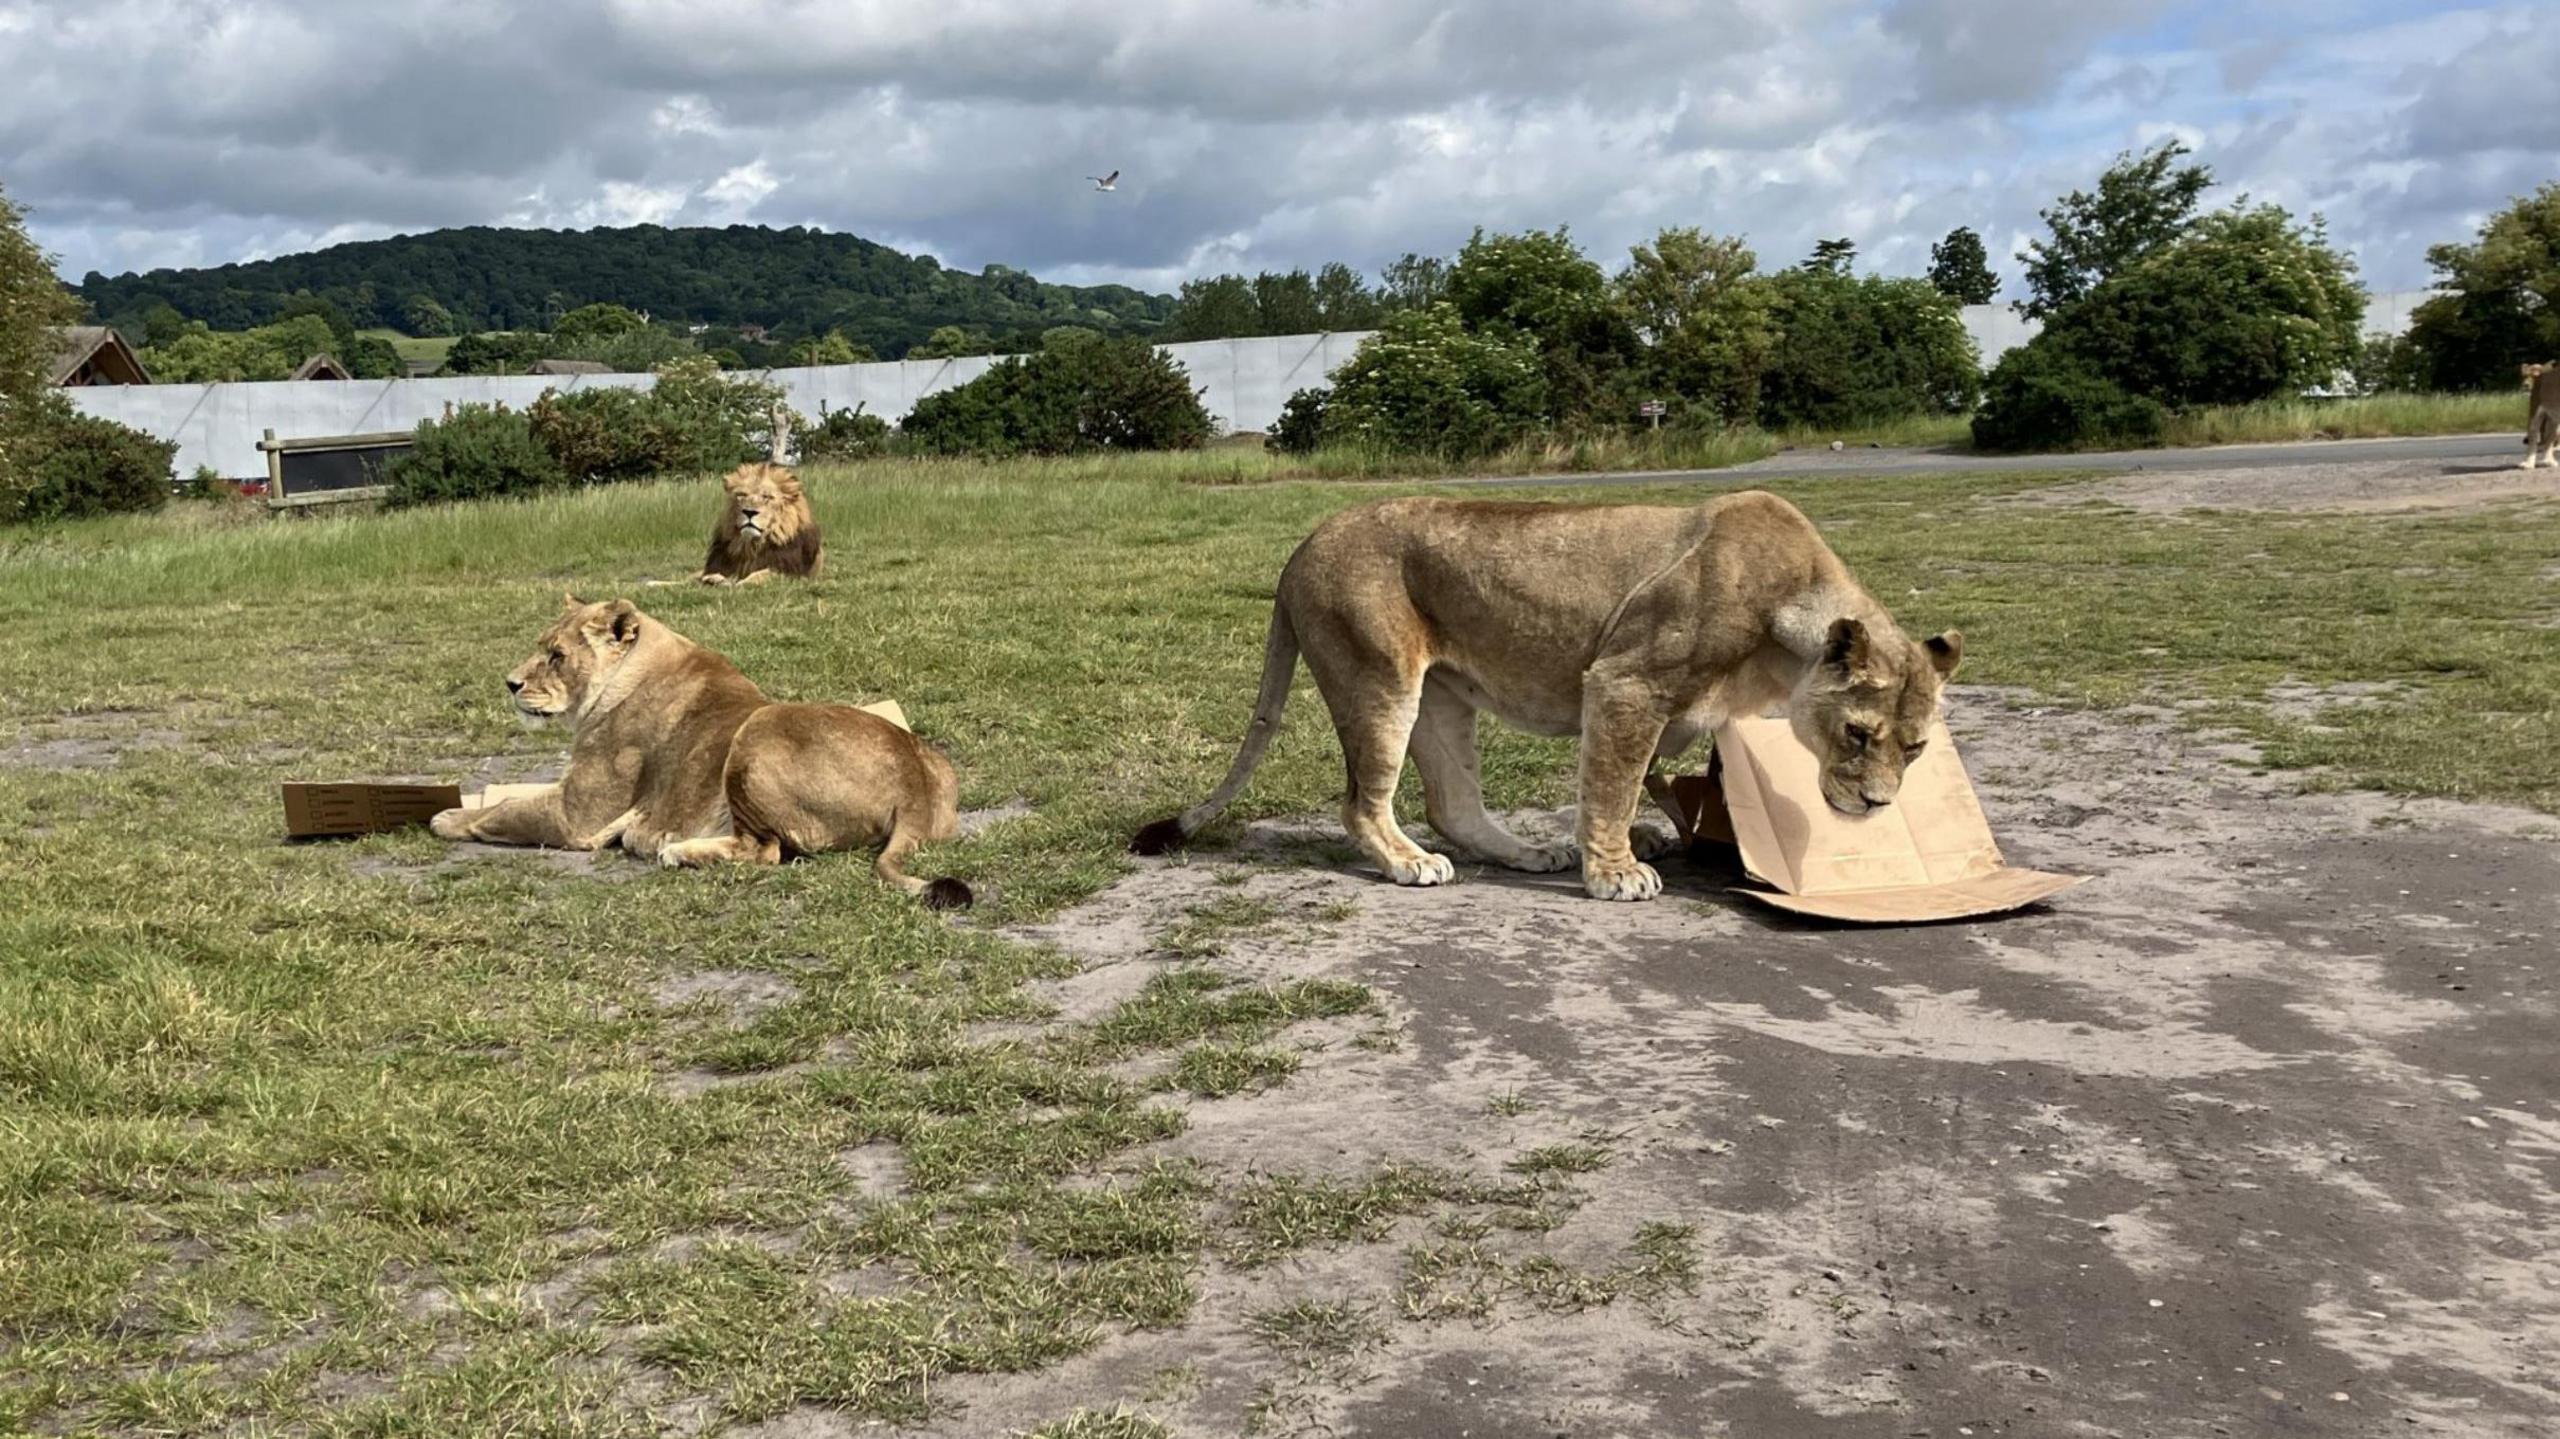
point(793, 282)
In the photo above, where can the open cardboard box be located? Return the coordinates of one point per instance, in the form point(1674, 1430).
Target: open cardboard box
point(316, 811)
point(1927, 856)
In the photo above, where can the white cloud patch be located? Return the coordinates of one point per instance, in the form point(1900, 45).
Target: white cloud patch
point(1251, 133)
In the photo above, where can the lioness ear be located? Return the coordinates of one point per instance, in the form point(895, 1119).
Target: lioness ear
point(1844, 647)
point(1946, 651)
point(569, 600)
point(2530, 372)
point(620, 623)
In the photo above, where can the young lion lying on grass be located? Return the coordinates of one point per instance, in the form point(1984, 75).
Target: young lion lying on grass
point(678, 756)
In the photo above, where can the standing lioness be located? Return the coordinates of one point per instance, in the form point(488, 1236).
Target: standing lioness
point(679, 757)
point(1640, 628)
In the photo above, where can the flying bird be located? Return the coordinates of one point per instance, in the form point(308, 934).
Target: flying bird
point(1105, 182)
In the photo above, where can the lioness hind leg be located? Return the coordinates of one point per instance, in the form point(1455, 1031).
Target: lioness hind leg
point(1374, 736)
point(1444, 750)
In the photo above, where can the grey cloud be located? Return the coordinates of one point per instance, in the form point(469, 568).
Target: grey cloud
point(1253, 133)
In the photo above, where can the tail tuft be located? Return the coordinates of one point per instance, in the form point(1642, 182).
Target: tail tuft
point(1162, 837)
point(948, 893)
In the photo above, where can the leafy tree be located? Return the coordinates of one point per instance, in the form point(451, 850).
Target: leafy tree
point(950, 342)
point(831, 348)
point(2248, 306)
point(631, 352)
point(1413, 282)
point(342, 331)
point(2142, 203)
point(158, 324)
point(1855, 350)
point(1427, 382)
point(1538, 287)
point(373, 358)
point(493, 353)
point(1344, 301)
point(269, 352)
point(1961, 269)
point(31, 304)
point(1216, 307)
point(1834, 256)
point(1705, 317)
point(592, 324)
point(422, 316)
point(1285, 304)
point(2502, 306)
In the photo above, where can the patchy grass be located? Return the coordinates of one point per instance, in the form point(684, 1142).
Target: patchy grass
point(1100, 1424)
point(348, 1138)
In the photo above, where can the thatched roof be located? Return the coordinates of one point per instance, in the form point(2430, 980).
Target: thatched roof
point(97, 349)
point(321, 367)
point(570, 367)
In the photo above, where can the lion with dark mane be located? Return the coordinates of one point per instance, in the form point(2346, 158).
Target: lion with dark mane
point(765, 529)
point(678, 757)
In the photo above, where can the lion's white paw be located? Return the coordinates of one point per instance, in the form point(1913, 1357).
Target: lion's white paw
point(1422, 869)
point(1636, 881)
point(2529, 462)
point(1651, 841)
point(451, 824)
point(1546, 858)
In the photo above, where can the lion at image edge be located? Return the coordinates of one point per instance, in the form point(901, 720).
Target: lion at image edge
point(1638, 628)
point(723, 774)
point(765, 529)
point(2541, 416)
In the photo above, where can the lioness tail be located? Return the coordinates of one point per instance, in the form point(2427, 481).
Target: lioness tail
point(1279, 665)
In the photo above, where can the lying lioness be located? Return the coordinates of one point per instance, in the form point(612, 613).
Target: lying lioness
point(680, 757)
point(1639, 628)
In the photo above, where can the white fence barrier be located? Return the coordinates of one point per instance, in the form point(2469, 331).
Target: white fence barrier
point(1243, 382)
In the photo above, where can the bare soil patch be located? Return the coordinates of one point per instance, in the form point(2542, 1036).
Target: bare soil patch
point(2340, 487)
point(2257, 1133)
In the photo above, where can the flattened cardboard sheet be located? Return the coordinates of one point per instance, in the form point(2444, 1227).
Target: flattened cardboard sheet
point(314, 811)
point(1927, 856)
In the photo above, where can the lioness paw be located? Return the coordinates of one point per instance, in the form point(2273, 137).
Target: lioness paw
point(451, 824)
point(708, 578)
point(1651, 841)
point(1422, 869)
point(1633, 881)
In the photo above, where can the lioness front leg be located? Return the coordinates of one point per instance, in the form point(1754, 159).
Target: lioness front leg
point(540, 820)
point(1621, 725)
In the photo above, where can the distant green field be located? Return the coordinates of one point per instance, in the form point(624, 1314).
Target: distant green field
point(415, 351)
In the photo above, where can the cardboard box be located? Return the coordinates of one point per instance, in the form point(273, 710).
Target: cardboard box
point(1927, 856)
point(316, 811)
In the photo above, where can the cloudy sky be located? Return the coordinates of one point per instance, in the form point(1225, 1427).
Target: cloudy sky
point(1252, 133)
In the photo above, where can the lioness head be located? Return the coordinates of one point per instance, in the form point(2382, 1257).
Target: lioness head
point(1866, 706)
point(766, 504)
point(569, 668)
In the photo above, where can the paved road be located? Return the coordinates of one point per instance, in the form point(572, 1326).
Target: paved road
point(2501, 446)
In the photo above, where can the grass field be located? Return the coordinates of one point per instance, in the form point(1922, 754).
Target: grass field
point(352, 1139)
point(429, 352)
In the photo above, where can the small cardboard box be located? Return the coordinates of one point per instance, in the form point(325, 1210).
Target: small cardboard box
point(317, 811)
point(1927, 856)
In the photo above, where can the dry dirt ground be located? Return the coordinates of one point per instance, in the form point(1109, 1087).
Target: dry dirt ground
point(2257, 1133)
point(2343, 487)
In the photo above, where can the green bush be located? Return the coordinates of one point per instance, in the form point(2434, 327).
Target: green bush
point(2388, 364)
point(477, 452)
point(1426, 383)
point(80, 465)
point(1301, 427)
point(1857, 350)
point(841, 435)
point(1084, 394)
point(2039, 397)
point(1538, 288)
point(725, 420)
point(2246, 306)
point(606, 434)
